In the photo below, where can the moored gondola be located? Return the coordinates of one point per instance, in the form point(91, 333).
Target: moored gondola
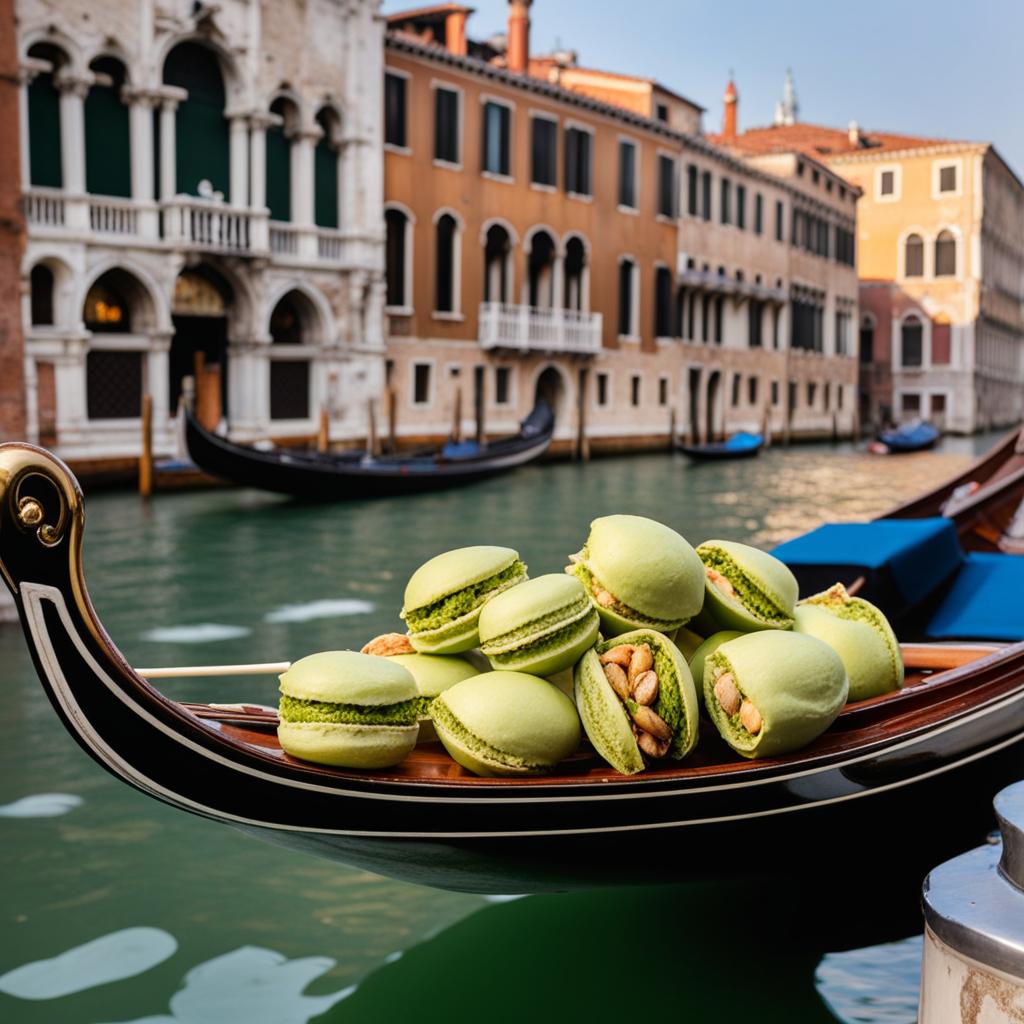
point(910, 437)
point(326, 477)
point(741, 445)
point(888, 764)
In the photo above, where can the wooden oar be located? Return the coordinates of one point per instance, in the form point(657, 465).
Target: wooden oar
point(268, 668)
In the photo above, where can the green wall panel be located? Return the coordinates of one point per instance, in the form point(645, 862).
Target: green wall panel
point(326, 194)
point(279, 175)
point(108, 154)
point(44, 132)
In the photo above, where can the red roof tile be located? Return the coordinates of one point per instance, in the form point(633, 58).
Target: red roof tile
point(820, 141)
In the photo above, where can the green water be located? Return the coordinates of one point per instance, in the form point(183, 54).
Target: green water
point(234, 929)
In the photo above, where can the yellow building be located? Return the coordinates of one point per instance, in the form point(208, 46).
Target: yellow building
point(940, 257)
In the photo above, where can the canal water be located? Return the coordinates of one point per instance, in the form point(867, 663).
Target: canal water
point(115, 908)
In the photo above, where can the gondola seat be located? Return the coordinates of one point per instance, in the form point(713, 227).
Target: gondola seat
point(903, 562)
point(984, 601)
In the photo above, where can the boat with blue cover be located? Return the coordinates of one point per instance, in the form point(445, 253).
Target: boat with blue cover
point(889, 762)
point(741, 445)
point(328, 477)
point(910, 437)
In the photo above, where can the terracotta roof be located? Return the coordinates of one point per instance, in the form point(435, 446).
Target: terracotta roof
point(429, 10)
point(547, 61)
point(822, 142)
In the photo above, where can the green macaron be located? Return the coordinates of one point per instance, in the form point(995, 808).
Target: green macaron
point(773, 691)
point(615, 709)
point(640, 574)
point(349, 710)
point(687, 641)
point(709, 646)
point(506, 723)
point(745, 588)
point(444, 596)
point(433, 673)
point(541, 626)
point(860, 634)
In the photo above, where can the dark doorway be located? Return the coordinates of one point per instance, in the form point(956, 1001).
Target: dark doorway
point(550, 389)
point(712, 406)
point(695, 374)
point(192, 334)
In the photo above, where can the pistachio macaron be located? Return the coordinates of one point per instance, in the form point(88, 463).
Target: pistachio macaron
point(506, 723)
point(349, 710)
point(860, 634)
point(433, 673)
point(637, 700)
point(773, 691)
point(444, 596)
point(745, 588)
point(541, 626)
point(640, 574)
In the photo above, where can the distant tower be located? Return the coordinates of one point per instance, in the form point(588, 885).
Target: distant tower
point(787, 110)
point(731, 100)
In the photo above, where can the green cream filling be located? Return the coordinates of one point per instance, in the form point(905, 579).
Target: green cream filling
point(582, 572)
point(540, 631)
point(753, 599)
point(738, 728)
point(462, 602)
point(552, 641)
point(670, 701)
point(294, 709)
point(443, 717)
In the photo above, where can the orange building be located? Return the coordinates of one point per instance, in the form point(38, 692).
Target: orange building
point(940, 256)
point(544, 240)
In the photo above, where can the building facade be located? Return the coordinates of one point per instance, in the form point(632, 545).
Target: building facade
point(202, 186)
point(554, 234)
point(940, 256)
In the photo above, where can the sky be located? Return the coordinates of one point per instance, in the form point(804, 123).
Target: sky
point(945, 68)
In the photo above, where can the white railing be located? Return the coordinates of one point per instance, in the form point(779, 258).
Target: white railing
point(202, 224)
point(44, 208)
point(330, 245)
point(111, 216)
point(284, 238)
point(530, 328)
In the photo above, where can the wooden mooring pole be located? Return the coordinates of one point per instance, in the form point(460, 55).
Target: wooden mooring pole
point(146, 459)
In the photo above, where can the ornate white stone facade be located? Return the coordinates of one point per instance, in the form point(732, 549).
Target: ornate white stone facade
point(307, 73)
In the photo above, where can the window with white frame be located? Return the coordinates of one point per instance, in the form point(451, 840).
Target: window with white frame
point(627, 174)
point(579, 146)
point(398, 250)
point(913, 256)
point(543, 151)
point(666, 186)
point(502, 385)
point(446, 125)
point(602, 390)
point(446, 263)
point(888, 182)
point(945, 254)
point(496, 138)
point(395, 87)
point(911, 343)
point(946, 180)
point(627, 298)
point(421, 380)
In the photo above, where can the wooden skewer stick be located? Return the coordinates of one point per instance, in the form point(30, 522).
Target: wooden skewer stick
point(268, 668)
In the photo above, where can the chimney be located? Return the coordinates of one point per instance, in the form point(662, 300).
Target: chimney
point(455, 33)
point(732, 102)
point(519, 36)
point(853, 133)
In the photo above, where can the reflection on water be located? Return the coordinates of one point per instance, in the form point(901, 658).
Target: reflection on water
point(280, 580)
point(879, 985)
point(41, 805)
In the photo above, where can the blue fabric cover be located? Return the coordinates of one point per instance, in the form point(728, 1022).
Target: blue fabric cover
point(462, 450)
point(911, 435)
point(743, 440)
point(984, 602)
point(916, 554)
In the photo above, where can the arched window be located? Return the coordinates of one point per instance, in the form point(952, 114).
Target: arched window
point(867, 338)
point(575, 274)
point(325, 170)
point(540, 270)
point(202, 151)
point(279, 159)
point(912, 342)
point(41, 280)
point(44, 148)
point(113, 376)
point(945, 254)
point(662, 303)
point(445, 297)
point(108, 157)
point(497, 248)
point(913, 256)
point(289, 377)
point(398, 253)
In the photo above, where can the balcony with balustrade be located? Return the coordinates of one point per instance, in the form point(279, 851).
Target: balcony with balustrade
point(537, 329)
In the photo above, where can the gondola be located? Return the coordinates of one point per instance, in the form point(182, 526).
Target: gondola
point(326, 477)
point(986, 501)
point(741, 445)
point(910, 437)
point(878, 784)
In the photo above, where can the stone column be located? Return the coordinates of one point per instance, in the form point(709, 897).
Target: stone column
point(140, 118)
point(73, 91)
point(27, 71)
point(239, 136)
point(168, 147)
point(258, 125)
point(303, 144)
